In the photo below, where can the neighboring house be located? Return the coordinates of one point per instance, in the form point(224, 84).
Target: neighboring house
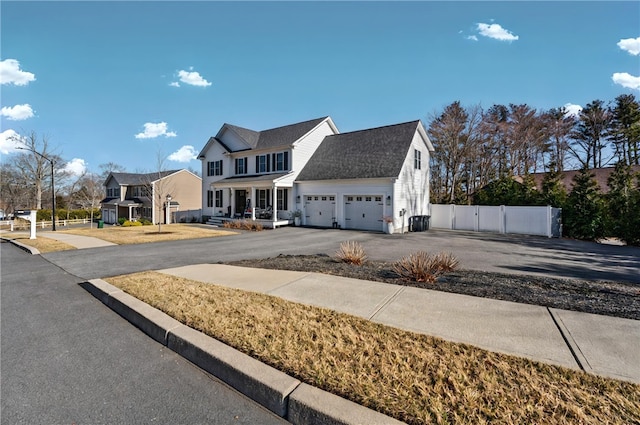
point(353, 180)
point(601, 176)
point(144, 196)
point(251, 174)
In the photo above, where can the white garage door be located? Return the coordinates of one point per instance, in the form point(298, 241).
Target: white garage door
point(320, 210)
point(363, 212)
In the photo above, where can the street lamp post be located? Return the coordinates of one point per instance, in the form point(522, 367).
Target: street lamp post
point(53, 191)
point(168, 220)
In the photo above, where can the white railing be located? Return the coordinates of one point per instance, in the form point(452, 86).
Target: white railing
point(43, 224)
point(524, 220)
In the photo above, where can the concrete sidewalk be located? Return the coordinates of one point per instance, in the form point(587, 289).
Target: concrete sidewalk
point(80, 242)
point(601, 345)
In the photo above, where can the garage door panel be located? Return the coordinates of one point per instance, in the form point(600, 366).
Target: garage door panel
point(320, 210)
point(364, 212)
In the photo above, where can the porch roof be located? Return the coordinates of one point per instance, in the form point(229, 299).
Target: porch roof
point(263, 180)
point(125, 203)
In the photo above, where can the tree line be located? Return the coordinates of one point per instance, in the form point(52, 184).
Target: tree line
point(25, 181)
point(474, 147)
point(488, 158)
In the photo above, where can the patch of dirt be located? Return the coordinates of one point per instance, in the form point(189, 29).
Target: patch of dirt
point(617, 299)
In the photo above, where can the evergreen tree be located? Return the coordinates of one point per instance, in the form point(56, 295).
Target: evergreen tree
point(507, 191)
point(553, 191)
point(623, 205)
point(584, 215)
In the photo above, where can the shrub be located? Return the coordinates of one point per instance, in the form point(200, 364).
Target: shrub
point(145, 222)
point(351, 252)
point(128, 223)
point(424, 267)
point(194, 219)
point(121, 221)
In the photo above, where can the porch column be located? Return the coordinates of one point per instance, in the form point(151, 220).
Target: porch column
point(232, 201)
point(274, 216)
point(254, 203)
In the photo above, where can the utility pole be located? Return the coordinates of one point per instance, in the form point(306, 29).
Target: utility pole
point(53, 191)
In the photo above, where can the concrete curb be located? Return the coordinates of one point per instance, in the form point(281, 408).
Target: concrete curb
point(287, 397)
point(31, 250)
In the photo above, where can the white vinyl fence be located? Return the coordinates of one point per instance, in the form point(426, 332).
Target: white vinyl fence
point(186, 216)
point(541, 221)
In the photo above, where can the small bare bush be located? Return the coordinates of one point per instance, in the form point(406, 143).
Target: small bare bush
point(351, 252)
point(424, 267)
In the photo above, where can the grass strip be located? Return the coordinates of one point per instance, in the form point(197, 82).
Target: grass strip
point(415, 378)
point(147, 234)
point(42, 244)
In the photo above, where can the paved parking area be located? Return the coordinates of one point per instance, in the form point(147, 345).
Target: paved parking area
point(517, 254)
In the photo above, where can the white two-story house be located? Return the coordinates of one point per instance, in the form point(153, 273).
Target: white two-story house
point(251, 174)
point(370, 179)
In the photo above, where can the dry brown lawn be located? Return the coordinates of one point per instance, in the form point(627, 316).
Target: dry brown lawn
point(412, 377)
point(41, 243)
point(146, 234)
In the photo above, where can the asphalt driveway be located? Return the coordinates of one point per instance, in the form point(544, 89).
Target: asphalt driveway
point(516, 254)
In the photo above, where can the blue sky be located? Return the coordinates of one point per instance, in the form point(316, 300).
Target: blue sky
point(127, 82)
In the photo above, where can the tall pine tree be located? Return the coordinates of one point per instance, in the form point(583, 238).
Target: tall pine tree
point(584, 215)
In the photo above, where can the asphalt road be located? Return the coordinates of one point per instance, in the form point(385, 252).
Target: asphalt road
point(66, 358)
point(517, 254)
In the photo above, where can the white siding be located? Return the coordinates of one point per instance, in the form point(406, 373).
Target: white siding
point(411, 190)
point(304, 149)
point(214, 153)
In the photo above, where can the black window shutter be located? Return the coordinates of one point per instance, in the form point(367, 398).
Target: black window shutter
point(221, 173)
point(257, 164)
point(268, 163)
point(286, 160)
point(246, 165)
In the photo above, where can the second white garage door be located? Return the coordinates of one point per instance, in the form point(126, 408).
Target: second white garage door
point(320, 210)
point(363, 212)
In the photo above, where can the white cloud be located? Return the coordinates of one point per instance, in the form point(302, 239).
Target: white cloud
point(76, 166)
point(472, 37)
point(152, 130)
point(10, 73)
point(626, 80)
point(184, 154)
point(17, 113)
point(631, 45)
point(572, 109)
point(9, 141)
point(497, 32)
point(174, 84)
point(192, 78)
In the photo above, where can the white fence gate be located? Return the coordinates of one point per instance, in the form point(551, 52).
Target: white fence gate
point(541, 221)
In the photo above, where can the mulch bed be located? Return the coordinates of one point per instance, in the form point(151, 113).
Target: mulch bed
point(617, 299)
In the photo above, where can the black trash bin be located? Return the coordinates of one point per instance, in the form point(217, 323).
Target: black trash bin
point(419, 223)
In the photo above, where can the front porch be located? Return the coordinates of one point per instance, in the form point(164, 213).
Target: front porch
point(261, 199)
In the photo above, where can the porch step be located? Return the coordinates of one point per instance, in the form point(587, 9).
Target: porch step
point(215, 221)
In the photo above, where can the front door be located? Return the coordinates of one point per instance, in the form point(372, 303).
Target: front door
point(241, 200)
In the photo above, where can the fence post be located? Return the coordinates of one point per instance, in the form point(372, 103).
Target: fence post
point(452, 223)
point(549, 230)
point(503, 219)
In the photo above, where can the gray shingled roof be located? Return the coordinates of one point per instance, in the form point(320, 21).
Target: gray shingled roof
point(373, 153)
point(134, 179)
point(280, 136)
